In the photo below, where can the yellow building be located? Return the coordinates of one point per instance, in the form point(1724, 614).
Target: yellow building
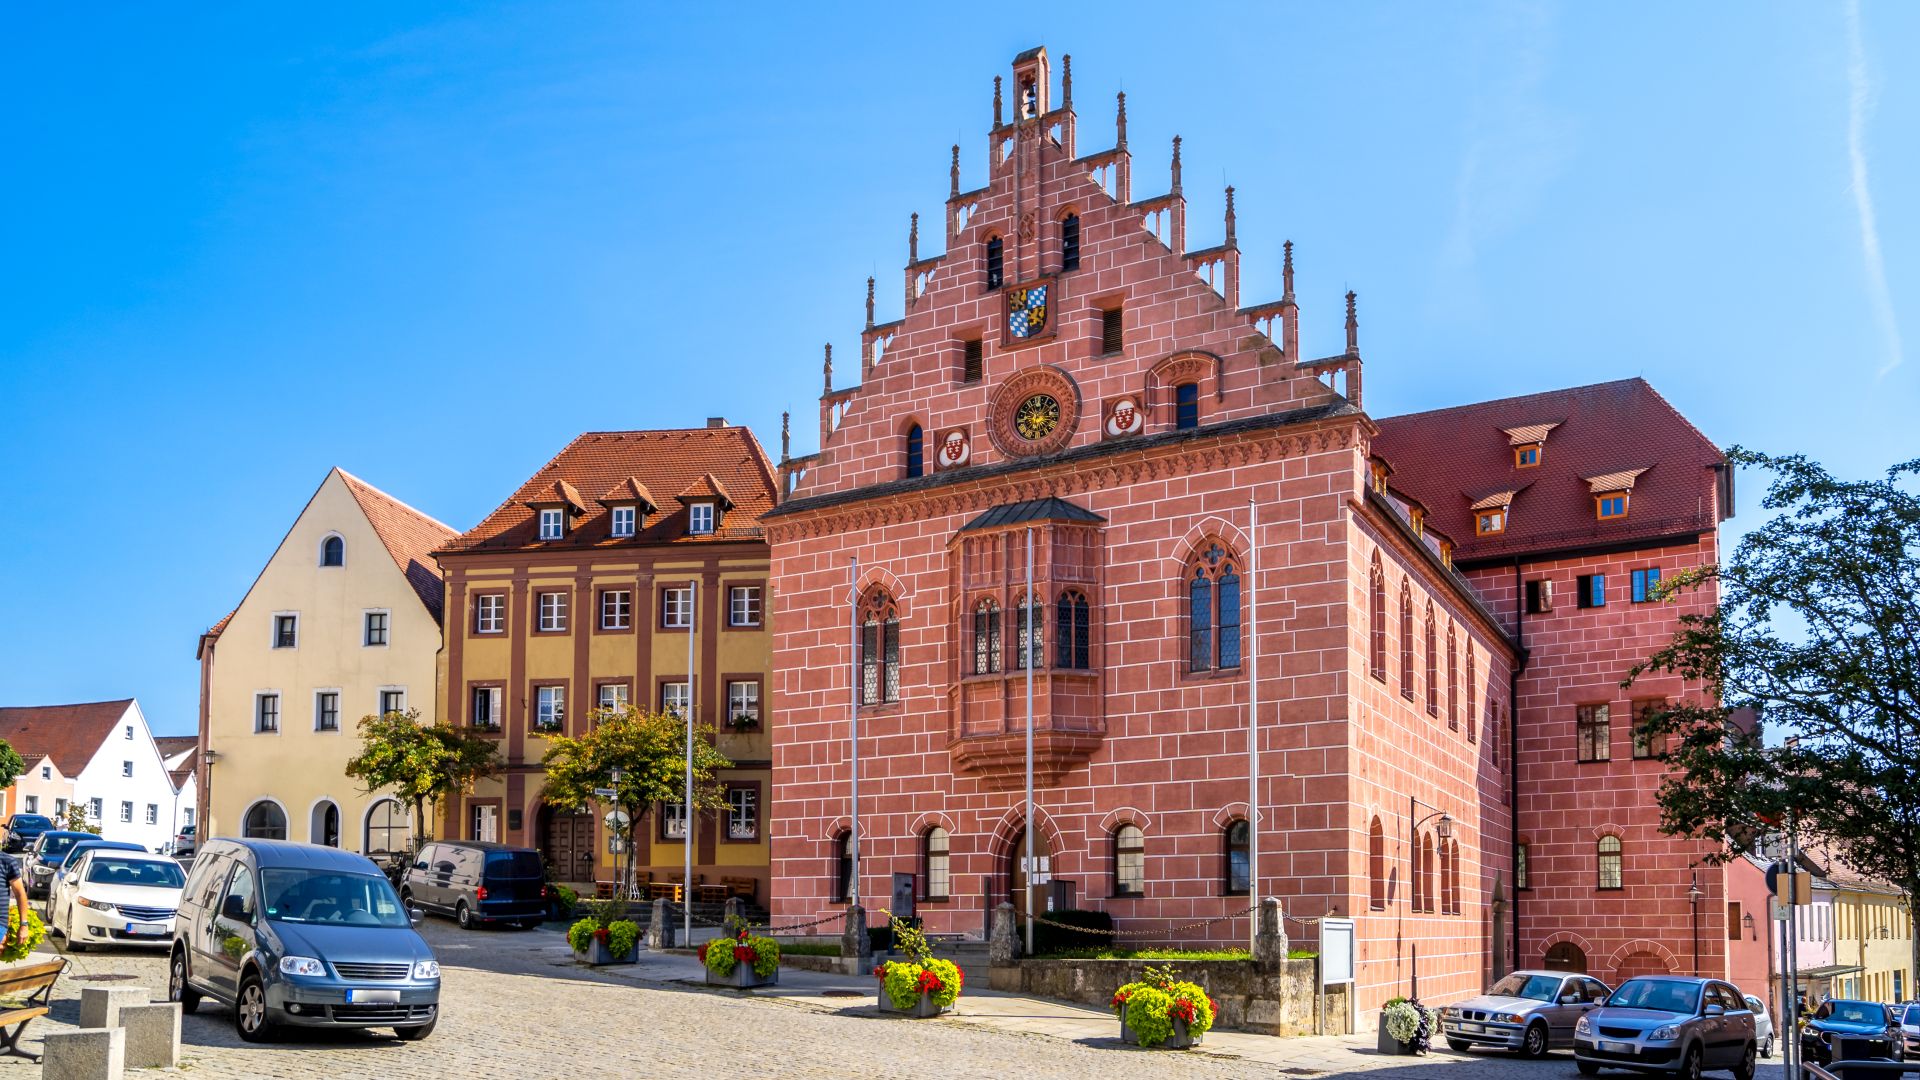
point(343, 621)
point(1873, 930)
point(581, 591)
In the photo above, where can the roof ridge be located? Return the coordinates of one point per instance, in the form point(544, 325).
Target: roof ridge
point(69, 704)
point(1520, 398)
point(353, 480)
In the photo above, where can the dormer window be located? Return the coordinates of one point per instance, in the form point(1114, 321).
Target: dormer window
point(1526, 457)
point(553, 523)
point(705, 500)
point(1529, 442)
point(700, 518)
point(623, 521)
point(1611, 492)
point(1379, 471)
point(1490, 522)
point(1446, 554)
point(1612, 505)
point(1418, 519)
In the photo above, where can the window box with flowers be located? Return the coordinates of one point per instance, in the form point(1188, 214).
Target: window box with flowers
point(741, 960)
point(922, 985)
point(743, 721)
point(1162, 1011)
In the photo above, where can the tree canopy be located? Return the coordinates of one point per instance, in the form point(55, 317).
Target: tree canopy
point(10, 764)
point(1817, 629)
point(418, 762)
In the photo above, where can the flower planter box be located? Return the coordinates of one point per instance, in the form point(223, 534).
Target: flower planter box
point(1387, 1044)
point(1179, 1040)
point(921, 1009)
point(743, 977)
point(598, 955)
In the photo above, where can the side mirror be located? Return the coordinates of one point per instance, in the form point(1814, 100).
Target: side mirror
point(1571, 997)
point(1714, 1010)
point(235, 908)
point(420, 866)
point(416, 916)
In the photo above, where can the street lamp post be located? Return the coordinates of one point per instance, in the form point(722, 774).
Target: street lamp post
point(1693, 903)
point(1443, 828)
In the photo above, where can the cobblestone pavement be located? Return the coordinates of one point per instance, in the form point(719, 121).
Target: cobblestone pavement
point(514, 1005)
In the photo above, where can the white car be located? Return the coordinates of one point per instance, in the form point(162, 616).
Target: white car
point(111, 897)
point(1762, 1025)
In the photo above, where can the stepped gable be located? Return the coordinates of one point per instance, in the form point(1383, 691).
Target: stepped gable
point(1590, 439)
point(1056, 281)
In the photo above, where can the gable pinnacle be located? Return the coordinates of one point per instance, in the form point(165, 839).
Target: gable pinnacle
point(826, 370)
point(913, 241)
point(1353, 328)
point(954, 172)
point(996, 101)
point(1286, 272)
point(1066, 80)
point(869, 301)
point(1230, 215)
point(1176, 165)
point(786, 435)
point(1120, 123)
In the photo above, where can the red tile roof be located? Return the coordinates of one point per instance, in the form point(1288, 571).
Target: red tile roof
point(1449, 459)
point(408, 535)
point(683, 459)
point(69, 734)
point(629, 491)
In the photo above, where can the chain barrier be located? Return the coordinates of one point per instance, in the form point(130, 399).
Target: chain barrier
point(1159, 933)
point(770, 928)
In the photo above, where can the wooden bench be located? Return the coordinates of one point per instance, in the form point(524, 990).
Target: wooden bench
point(742, 887)
point(35, 982)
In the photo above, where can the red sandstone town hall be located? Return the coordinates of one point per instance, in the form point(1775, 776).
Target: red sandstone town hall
point(1434, 611)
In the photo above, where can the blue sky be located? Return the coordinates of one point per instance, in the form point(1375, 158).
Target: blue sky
point(429, 244)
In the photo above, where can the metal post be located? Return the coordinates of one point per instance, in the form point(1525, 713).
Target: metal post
point(1253, 714)
point(853, 721)
point(686, 839)
point(1027, 659)
point(1791, 1005)
point(1693, 904)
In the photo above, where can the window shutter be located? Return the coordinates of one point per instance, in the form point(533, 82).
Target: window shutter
point(970, 364)
point(1111, 340)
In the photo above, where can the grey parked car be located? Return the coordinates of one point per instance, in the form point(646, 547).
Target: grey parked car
point(1528, 1011)
point(1669, 1023)
point(300, 934)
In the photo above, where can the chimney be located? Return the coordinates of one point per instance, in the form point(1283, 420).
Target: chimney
point(716, 421)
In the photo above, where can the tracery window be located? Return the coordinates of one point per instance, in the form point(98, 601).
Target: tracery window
point(1071, 626)
point(879, 648)
point(1213, 610)
point(986, 637)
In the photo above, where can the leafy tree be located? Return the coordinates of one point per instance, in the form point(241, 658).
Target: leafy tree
point(420, 763)
point(10, 765)
point(1818, 629)
point(649, 751)
point(76, 819)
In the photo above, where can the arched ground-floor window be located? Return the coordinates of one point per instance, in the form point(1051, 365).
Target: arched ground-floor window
point(264, 821)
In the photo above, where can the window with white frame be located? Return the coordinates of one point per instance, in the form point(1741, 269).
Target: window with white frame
point(376, 629)
point(549, 708)
point(490, 613)
point(326, 710)
point(616, 609)
point(46, 772)
point(743, 813)
point(266, 713)
point(126, 768)
point(553, 612)
point(129, 730)
point(153, 813)
point(60, 808)
point(674, 698)
point(485, 712)
point(743, 605)
point(95, 807)
point(623, 519)
point(613, 695)
point(33, 804)
point(673, 820)
point(286, 631)
point(676, 607)
point(126, 811)
point(743, 702)
point(700, 518)
point(392, 701)
point(553, 523)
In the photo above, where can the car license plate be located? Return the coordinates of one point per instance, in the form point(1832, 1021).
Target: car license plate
point(1617, 1047)
point(146, 929)
point(373, 997)
point(1473, 1027)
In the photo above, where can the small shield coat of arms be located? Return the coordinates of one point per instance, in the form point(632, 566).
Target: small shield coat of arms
point(1027, 311)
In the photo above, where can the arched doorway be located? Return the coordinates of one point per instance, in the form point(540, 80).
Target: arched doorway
point(324, 826)
point(1018, 878)
point(1566, 956)
point(566, 842)
point(264, 820)
point(1635, 964)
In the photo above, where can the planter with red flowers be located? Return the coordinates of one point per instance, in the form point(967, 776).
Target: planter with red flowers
point(741, 960)
point(922, 985)
point(610, 942)
point(1162, 1011)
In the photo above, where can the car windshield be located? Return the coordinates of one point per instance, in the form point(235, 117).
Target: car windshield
point(53, 847)
point(514, 864)
point(1663, 995)
point(66, 859)
point(153, 873)
point(331, 897)
point(30, 820)
point(1531, 987)
point(1853, 1012)
point(1913, 1015)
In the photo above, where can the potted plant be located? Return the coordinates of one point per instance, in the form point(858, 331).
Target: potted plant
point(741, 960)
point(922, 985)
point(561, 900)
point(744, 721)
point(21, 942)
point(1161, 1010)
point(1405, 1027)
point(603, 937)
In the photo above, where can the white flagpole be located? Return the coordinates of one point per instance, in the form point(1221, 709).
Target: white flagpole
point(686, 838)
point(853, 716)
point(1026, 658)
point(1253, 718)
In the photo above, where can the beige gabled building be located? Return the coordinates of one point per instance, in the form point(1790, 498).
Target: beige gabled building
point(343, 621)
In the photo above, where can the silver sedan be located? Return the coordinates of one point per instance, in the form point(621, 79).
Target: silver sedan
point(1528, 1011)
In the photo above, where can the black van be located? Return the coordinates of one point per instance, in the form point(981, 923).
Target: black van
point(478, 882)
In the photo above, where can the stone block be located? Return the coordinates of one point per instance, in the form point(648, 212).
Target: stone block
point(661, 926)
point(153, 1035)
point(100, 1005)
point(86, 1054)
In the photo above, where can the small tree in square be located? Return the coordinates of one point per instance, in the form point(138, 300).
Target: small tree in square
point(420, 763)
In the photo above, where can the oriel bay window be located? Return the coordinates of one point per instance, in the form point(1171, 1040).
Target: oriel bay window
point(1071, 627)
point(1029, 628)
point(986, 637)
point(1213, 611)
point(879, 649)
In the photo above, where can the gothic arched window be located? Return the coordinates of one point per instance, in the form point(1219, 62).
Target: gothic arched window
point(879, 649)
point(1070, 242)
point(996, 275)
point(916, 451)
point(1377, 620)
point(1029, 634)
point(1406, 640)
point(1453, 680)
point(1071, 627)
point(986, 637)
point(1213, 610)
point(1433, 666)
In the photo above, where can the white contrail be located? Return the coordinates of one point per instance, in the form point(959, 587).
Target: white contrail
point(1859, 102)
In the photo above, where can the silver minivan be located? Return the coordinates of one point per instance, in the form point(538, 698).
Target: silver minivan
point(300, 934)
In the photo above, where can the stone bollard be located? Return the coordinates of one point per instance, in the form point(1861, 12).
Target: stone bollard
point(100, 1005)
point(87, 1054)
point(855, 946)
point(1270, 941)
point(1003, 941)
point(660, 926)
point(153, 1035)
point(735, 908)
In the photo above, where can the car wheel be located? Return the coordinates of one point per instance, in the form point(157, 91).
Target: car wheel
point(1588, 1068)
point(463, 915)
point(1458, 1046)
point(1766, 1048)
point(1534, 1043)
point(416, 1033)
point(1744, 1070)
point(250, 1011)
point(1690, 1064)
point(178, 989)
